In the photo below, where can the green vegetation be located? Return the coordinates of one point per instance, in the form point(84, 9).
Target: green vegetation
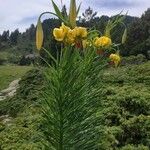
point(126, 107)
point(83, 106)
point(123, 121)
point(10, 73)
point(23, 130)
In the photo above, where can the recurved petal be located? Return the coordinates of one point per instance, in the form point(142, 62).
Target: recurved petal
point(58, 34)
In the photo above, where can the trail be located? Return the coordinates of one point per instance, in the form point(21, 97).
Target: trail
point(8, 93)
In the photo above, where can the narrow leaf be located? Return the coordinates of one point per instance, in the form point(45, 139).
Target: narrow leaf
point(58, 12)
point(78, 9)
point(124, 36)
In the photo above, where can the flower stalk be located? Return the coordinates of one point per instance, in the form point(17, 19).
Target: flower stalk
point(72, 13)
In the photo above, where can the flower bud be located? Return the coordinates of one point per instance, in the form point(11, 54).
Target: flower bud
point(39, 35)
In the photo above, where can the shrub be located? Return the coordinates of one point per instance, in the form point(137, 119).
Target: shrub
point(133, 60)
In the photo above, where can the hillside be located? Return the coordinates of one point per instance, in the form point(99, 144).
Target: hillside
point(124, 109)
point(15, 45)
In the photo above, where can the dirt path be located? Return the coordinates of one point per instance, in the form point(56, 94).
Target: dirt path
point(10, 91)
point(7, 93)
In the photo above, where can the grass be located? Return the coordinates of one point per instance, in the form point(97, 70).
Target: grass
point(10, 73)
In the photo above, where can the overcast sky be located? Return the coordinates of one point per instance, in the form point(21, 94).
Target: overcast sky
point(21, 13)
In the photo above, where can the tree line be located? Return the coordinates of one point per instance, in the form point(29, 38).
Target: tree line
point(138, 41)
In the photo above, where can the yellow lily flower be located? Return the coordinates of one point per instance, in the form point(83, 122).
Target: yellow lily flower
point(59, 34)
point(81, 32)
point(65, 28)
point(115, 58)
point(103, 41)
point(70, 39)
point(86, 43)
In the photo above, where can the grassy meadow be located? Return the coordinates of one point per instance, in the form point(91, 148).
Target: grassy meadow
point(10, 73)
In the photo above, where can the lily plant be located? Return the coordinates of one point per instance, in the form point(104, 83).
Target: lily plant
point(72, 95)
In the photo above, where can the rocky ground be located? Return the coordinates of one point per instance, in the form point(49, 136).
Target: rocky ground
point(7, 93)
point(10, 91)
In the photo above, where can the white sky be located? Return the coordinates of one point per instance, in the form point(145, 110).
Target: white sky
point(21, 14)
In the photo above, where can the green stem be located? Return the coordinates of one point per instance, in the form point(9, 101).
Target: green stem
point(51, 13)
point(61, 130)
point(60, 147)
point(47, 12)
point(50, 55)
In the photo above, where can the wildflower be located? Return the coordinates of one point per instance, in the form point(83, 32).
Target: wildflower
point(86, 43)
point(81, 32)
point(70, 38)
point(115, 58)
point(103, 41)
point(59, 34)
point(65, 28)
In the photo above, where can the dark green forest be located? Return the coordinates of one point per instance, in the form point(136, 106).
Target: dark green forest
point(17, 47)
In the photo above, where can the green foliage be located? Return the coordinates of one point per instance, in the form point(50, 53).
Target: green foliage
point(9, 58)
point(138, 36)
point(125, 108)
point(70, 106)
point(132, 147)
point(121, 121)
point(23, 131)
point(133, 60)
point(26, 94)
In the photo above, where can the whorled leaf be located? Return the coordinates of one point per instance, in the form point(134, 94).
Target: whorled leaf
point(70, 101)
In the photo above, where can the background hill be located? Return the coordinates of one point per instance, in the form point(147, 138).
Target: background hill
point(15, 46)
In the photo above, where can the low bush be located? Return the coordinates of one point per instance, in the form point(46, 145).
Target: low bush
point(133, 60)
point(122, 119)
